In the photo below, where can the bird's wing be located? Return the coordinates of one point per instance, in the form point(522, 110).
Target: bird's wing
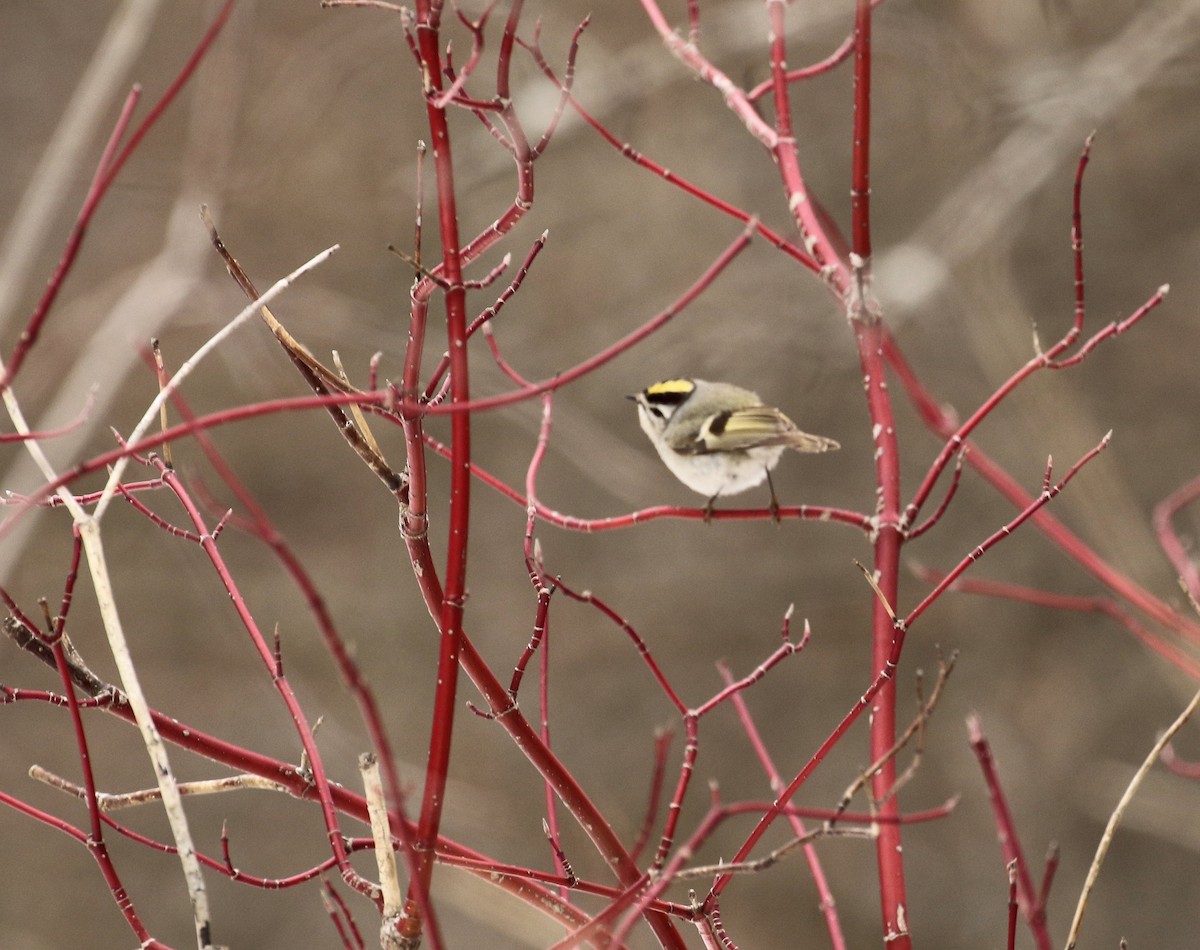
point(747, 428)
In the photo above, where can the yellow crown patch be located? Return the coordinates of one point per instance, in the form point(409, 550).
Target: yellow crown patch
point(671, 387)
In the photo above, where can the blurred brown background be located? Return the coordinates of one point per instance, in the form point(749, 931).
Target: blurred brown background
point(300, 132)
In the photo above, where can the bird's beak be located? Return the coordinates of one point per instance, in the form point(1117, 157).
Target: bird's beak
point(633, 396)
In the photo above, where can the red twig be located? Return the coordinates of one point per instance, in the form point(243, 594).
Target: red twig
point(297, 781)
point(40, 500)
point(1123, 586)
point(604, 356)
point(46, 434)
point(643, 161)
point(662, 744)
point(885, 676)
point(1043, 896)
point(485, 318)
point(569, 792)
point(691, 725)
point(95, 836)
point(1049, 491)
point(1050, 359)
point(258, 524)
point(1185, 565)
point(1011, 943)
point(106, 172)
point(100, 855)
point(941, 509)
point(1103, 605)
point(1184, 769)
point(860, 171)
point(339, 914)
point(833, 924)
point(161, 522)
point(1010, 845)
point(450, 609)
point(212, 420)
point(475, 27)
point(315, 763)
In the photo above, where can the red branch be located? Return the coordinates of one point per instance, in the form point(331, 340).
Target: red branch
point(1185, 565)
point(837, 938)
point(1102, 605)
point(270, 661)
point(106, 172)
point(1010, 845)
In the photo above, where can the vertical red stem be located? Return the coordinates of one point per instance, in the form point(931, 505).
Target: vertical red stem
point(860, 170)
point(886, 636)
point(450, 621)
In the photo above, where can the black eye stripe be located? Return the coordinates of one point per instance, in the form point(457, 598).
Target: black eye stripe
point(666, 399)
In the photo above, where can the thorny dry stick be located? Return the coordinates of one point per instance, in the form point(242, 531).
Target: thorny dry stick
point(915, 728)
point(385, 856)
point(1119, 812)
point(322, 381)
point(110, 801)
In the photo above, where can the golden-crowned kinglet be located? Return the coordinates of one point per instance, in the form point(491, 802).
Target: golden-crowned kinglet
point(719, 439)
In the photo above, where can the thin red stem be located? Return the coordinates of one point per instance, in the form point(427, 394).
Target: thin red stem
point(259, 524)
point(1055, 601)
point(1048, 492)
point(609, 353)
point(1010, 845)
point(833, 924)
point(860, 171)
point(1185, 565)
point(450, 609)
point(107, 171)
point(1075, 548)
point(887, 638)
point(316, 765)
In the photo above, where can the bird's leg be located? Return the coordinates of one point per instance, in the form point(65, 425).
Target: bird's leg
point(708, 509)
point(774, 500)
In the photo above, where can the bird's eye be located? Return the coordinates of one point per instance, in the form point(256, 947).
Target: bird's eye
point(657, 412)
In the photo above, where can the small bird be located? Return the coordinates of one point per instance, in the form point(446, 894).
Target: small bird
point(719, 439)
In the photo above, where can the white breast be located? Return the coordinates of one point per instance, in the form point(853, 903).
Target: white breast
point(721, 473)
